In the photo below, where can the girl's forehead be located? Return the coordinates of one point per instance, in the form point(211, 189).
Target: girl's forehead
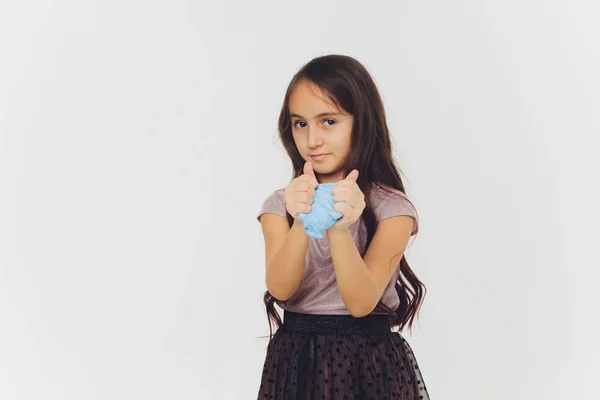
point(308, 100)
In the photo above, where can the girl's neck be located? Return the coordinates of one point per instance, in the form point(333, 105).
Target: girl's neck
point(330, 178)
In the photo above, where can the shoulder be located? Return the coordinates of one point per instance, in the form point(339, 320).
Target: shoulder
point(278, 194)
point(389, 202)
point(274, 204)
point(382, 194)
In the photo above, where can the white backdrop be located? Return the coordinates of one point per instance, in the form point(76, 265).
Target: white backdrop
point(138, 141)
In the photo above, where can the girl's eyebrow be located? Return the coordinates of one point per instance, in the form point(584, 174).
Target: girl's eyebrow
point(325, 114)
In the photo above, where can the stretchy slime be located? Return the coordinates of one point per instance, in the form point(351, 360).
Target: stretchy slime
point(322, 215)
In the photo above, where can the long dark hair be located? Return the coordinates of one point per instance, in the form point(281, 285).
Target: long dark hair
point(351, 87)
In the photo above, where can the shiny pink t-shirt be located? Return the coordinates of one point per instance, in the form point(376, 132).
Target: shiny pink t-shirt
point(318, 292)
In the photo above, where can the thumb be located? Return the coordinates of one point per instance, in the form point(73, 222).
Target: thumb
point(353, 175)
point(308, 169)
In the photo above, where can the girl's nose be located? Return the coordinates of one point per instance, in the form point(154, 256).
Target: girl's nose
point(314, 138)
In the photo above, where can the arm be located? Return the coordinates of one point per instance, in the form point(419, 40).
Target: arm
point(285, 254)
point(361, 282)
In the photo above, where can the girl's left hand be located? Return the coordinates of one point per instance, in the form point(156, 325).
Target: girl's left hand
point(348, 191)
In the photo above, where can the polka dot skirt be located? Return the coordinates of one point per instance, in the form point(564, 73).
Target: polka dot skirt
point(379, 366)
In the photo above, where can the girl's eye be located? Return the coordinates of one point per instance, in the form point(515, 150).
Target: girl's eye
point(299, 122)
point(330, 120)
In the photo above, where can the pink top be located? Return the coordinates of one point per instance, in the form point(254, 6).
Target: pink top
point(318, 292)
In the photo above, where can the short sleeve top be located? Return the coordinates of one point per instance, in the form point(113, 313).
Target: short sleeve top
point(317, 292)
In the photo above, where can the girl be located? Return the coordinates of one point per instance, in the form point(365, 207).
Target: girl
point(341, 295)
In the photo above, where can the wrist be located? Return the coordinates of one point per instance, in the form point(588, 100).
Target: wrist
point(298, 226)
point(332, 231)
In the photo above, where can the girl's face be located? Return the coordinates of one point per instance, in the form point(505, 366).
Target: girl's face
point(319, 127)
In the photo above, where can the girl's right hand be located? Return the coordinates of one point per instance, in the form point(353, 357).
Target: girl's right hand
point(300, 193)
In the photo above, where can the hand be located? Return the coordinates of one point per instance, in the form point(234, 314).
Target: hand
point(301, 192)
point(348, 191)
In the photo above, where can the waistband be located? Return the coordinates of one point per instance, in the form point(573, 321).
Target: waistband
point(336, 324)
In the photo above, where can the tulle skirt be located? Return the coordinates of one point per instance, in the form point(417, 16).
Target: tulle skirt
point(340, 357)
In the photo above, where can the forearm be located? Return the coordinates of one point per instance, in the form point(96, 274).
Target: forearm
point(286, 268)
point(356, 284)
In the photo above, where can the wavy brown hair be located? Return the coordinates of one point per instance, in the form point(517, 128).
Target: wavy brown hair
point(350, 86)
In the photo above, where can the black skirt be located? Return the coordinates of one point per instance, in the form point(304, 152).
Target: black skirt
point(340, 357)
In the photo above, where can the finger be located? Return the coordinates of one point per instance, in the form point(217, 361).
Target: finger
point(345, 185)
point(305, 196)
point(349, 187)
point(342, 195)
point(303, 207)
point(345, 193)
point(341, 186)
point(309, 190)
point(341, 222)
point(312, 181)
point(309, 171)
point(345, 209)
point(302, 185)
point(353, 176)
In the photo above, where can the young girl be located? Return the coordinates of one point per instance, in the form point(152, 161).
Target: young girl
point(342, 294)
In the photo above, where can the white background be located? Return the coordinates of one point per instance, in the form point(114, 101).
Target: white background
point(138, 141)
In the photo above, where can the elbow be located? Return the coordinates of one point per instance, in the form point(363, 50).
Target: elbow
point(361, 306)
point(278, 289)
point(360, 311)
point(278, 292)
point(282, 286)
point(277, 295)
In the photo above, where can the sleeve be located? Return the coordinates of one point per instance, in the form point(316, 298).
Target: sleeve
point(274, 204)
point(397, 204)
